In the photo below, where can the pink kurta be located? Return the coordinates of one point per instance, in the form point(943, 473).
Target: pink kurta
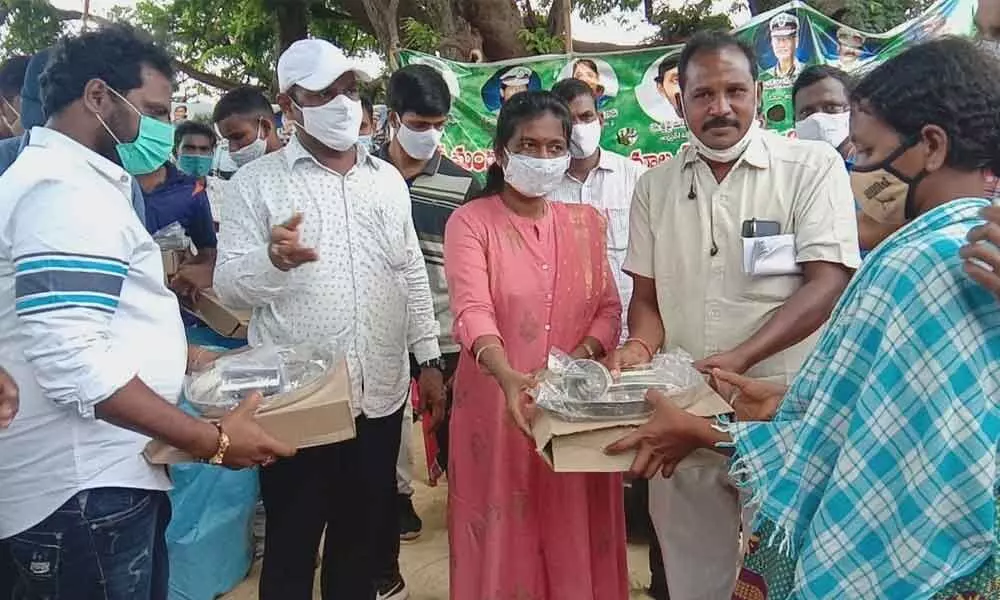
point(517, 530)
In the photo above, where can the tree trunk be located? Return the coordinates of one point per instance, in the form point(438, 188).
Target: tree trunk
point(497, 22)
point(292, 18)
point(384, 17)
point(558, 20)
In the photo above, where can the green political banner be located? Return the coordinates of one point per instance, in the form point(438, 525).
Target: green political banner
point(638, 92)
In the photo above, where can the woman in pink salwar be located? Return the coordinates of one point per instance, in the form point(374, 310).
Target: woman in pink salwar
point(526, 275)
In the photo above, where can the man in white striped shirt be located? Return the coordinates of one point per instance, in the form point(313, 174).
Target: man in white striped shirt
point(94, 338)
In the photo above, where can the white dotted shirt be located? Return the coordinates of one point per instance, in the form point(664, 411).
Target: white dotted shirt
point(367, 293)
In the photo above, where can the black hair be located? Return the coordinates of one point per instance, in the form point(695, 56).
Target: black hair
point(12, 76)
point(418, 89)
point(368, 107)
point(570, 89)
point(816, 73)
point(712, 41)
point(587, 63)
point(193, 128)
point(522, 107)
point(246, 101)
point(666, 64)
point(948, 82)
point(114, 54)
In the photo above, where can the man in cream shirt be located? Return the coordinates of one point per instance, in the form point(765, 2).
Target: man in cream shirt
point(691, 289)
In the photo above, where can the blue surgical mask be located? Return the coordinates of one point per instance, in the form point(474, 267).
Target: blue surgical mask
point(195, 165)
point(152, 146)
point(367, 142)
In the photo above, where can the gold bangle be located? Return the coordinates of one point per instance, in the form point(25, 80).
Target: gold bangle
point(479, 353)
point(224, 444)
point(645, 346)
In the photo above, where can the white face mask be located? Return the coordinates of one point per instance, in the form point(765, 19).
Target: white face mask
point(420, 145)
point(825, 127)
point(251, 151)
point(586, 139)
point(534, 177)
point(336, 124)
point(723, 155)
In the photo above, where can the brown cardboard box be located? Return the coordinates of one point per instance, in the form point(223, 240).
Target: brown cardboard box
point(172, 260)
point(579, 447)
point(314, 415)
point(225, 321)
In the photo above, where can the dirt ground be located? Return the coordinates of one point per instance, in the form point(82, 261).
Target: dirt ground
point(425, 562)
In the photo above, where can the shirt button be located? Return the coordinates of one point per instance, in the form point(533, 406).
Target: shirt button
point(548, 327)
point(548, 296)
point(545, 267)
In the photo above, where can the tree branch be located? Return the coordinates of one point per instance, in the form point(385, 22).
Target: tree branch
point(207, 78)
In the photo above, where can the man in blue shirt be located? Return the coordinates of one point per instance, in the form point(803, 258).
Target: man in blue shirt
point(32, 115)
point(175, 197)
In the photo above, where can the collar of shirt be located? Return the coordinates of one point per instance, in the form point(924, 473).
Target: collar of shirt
point(43, 137)
point(294, 152)
point(755, 155)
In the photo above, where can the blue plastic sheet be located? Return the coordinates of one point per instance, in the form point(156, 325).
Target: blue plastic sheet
point(210, 537)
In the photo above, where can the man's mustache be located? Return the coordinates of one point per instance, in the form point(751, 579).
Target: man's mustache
point(717, 122)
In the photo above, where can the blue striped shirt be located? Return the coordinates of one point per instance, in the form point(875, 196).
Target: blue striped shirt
point(83, 310)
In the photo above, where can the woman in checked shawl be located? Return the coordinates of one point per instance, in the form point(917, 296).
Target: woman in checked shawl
point(877, 478)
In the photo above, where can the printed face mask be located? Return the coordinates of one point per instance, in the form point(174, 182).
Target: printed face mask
point(585, 140)
point(335, 124)
point(251, 151)
point(534, 177)
point(885, 194)
point(421, 145)
point(151, 147)
point(825, 127)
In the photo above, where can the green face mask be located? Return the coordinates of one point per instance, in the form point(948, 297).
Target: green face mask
point(151, 147)
point(195, 165)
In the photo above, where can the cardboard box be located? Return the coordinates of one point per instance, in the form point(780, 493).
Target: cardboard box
point(225, 321)
point(570, 447)
point(172, 260)
point(314, 415)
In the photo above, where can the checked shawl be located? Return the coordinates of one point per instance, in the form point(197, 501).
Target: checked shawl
point(880, 469)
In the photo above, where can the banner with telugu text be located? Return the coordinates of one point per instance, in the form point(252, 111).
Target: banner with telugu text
point(637, 90)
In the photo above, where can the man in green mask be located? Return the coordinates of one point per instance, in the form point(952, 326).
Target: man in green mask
point(194, 146)
point(178, 194)
point(93, 338)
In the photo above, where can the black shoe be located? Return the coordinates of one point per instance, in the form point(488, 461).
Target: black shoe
point(393, 589)
point(410, 524)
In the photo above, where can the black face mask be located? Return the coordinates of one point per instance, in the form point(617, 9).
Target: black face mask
point(910, 208)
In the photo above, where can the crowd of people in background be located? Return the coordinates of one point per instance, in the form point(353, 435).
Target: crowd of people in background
point(860, 354)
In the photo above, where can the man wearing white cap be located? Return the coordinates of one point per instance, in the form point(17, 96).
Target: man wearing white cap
point(318, 240)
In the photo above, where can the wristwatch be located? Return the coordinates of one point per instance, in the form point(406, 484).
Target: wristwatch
point(434, 363)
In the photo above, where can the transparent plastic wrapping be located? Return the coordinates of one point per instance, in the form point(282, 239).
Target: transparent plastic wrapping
point(584, 390)
point(271, 370)
point(172, 237)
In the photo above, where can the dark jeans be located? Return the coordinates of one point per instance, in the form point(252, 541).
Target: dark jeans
point(102, 544)
point(347, 488)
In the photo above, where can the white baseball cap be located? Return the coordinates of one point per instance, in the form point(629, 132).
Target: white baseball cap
point(314, 65)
